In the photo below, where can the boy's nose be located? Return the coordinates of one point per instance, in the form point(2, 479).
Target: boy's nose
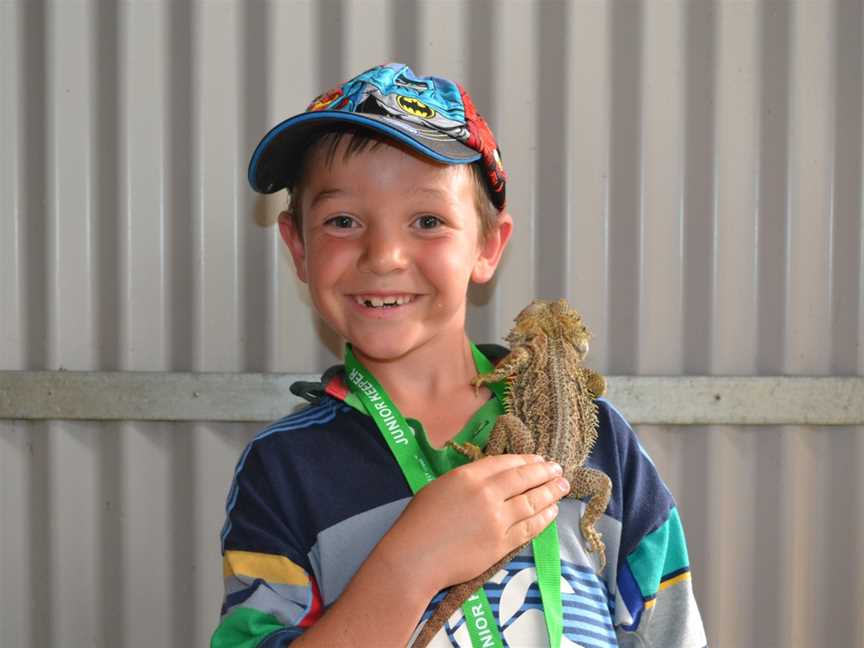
point(384, 253)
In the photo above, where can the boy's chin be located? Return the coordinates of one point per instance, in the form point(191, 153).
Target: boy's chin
point(381, 351)
point(392, 348)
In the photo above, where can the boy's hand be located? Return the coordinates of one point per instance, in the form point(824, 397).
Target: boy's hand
point(466, 520)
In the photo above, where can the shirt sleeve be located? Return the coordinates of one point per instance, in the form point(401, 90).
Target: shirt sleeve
point(270, 594)
point(655, 604)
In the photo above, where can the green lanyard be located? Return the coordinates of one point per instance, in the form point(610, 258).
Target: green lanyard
point(482, 627)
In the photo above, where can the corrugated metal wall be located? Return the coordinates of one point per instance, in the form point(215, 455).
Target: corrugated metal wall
point(689, 174)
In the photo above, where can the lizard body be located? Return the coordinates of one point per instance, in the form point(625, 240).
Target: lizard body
point(550, 411)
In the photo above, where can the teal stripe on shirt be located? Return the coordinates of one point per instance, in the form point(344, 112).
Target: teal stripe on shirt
point(661, 552)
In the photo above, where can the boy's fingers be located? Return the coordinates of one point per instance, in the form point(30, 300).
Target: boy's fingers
point(529, 528)
point(496, 464)
point(537, 499)
point(522, 478)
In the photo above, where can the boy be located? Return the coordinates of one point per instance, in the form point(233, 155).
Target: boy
point(397, 203)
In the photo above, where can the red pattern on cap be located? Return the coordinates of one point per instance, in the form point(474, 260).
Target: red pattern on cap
point(323, 101)
point(481, 139)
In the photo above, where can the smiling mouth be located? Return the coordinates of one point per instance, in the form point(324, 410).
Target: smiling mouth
point(390, 301)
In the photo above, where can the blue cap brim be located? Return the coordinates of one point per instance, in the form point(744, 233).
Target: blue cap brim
point(277, 157)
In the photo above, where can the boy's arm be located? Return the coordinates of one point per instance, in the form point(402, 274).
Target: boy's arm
point(381, 606)
point(656, 606)
point(497, 504)
point(659, 570)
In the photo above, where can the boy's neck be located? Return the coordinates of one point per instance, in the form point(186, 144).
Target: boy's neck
point(422, 378)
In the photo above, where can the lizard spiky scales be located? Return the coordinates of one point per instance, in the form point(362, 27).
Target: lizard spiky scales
point(550, 411)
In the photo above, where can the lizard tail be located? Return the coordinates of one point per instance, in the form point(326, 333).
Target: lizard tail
point(455, 597)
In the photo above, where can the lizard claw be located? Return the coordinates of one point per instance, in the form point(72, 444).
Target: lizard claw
point(470, 450)
point(477, 383)
point(595, 544)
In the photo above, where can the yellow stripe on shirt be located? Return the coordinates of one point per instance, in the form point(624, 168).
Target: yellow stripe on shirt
point(674, 581)
point(270, 567)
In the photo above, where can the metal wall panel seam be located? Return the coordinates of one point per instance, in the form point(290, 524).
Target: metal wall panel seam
point(148, 396)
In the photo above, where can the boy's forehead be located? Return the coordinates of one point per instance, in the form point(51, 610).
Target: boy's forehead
point(395, 173)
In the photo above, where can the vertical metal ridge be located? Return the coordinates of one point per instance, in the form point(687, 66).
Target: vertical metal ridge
point(403, 26)
point(734, 525)
point(185, 494)
point(807, 310)
point(767, 535)
point(35, 176)
point(698, 313)
point(700, 62)
point(113, 500)
point(587, 183)
point(550, 190)
point(329, 57)
point(846, 207)
point(257, 315)
point(736, 241)
point(775, 23)
point(12, 288)
point(482, 19)
point(855, 571)
point(181, 71)
point(625, 154)
point(179, 184)
point(108, 273)
point(660, 217)
point(514, 86)
point(40, 512)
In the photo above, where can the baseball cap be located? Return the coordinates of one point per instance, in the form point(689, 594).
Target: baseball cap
point(434, 116)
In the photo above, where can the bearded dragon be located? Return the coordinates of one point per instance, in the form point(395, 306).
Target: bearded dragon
point(550, 411)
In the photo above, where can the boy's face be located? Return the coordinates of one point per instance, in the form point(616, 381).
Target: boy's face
point(389, 244)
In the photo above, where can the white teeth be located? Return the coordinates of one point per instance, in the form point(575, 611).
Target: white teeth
point(379, 302)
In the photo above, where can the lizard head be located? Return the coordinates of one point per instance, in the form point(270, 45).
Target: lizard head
point(555, 319)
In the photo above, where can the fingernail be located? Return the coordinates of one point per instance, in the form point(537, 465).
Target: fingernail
point(556, 469)
point(564, 485)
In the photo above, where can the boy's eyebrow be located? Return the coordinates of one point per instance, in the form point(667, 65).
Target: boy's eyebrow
point(324, 194)
point(433, 193)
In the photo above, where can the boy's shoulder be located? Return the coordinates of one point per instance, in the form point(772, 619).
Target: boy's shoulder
point(320, 412)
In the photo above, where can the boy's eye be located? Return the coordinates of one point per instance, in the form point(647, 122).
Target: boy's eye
point(428, 222)
point(341, 222)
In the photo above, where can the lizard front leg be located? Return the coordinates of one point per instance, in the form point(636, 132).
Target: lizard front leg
point(589, 482)
point(510, 434)
point(511, 364)
point(595, 383)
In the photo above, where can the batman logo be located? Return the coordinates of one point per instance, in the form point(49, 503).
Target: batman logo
point(415, 107)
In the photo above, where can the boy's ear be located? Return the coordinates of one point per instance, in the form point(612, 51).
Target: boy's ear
point(492, 248)
point(294, 240)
